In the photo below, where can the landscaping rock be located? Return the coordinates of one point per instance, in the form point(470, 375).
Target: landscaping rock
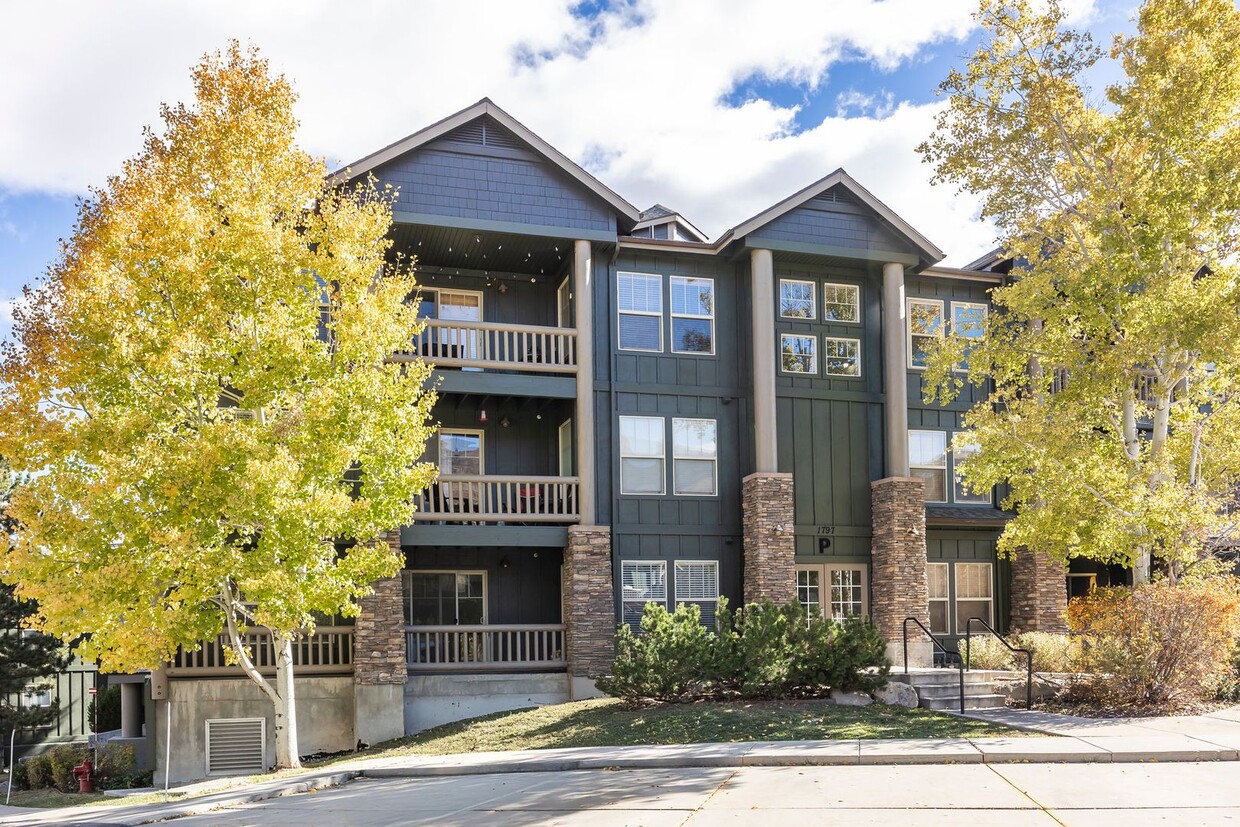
point(897, 694)
point(850, 698)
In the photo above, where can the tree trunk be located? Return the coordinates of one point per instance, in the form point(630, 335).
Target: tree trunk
point(1132, 447)
point(287, 753)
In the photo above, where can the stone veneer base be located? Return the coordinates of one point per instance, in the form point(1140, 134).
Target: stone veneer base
point(589, 601)
point(769, 540)
point(898, 582)
point(1039, 593)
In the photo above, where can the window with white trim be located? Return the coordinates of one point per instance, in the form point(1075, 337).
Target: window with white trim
point(968, 322)
point(841, 303)
point(927, 460)
point(697, 582)
point(974, 593)
point(641, 582)
point(798, 354)
point(964, 447)
point(642, 455)
point(809, 587)
point(925, 325)
point(640, 305)
point(936, 586)
point(695, 457)
point(796, 299)
point(838, 590)
point(693, 314)
point(841, 357)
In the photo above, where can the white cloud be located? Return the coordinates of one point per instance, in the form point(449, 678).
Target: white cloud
point(637, 95)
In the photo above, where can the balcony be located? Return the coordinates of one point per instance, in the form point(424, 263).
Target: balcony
point(488, 498)
point(495, 346)
point(486, 648)
point(329, 651)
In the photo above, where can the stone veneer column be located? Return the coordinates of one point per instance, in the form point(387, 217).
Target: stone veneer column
point(899, 572)
point(770, 550)
point(1039, 593)
point(589, 607)
point(380, 670)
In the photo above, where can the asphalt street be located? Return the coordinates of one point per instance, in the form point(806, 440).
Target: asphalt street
point(1012, 795)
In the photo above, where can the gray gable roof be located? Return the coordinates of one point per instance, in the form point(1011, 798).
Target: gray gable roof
point(483, 108)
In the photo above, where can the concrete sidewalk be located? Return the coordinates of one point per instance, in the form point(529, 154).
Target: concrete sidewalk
point(1213, 737)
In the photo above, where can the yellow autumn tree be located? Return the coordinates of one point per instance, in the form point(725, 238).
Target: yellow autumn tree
point(202, 392)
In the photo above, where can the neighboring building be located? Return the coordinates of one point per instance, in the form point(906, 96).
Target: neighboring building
point(631, 412)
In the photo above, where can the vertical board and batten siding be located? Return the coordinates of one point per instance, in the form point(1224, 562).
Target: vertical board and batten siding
point(709, 386)
point(458, 176)
point(952, 545)
point(527, 590)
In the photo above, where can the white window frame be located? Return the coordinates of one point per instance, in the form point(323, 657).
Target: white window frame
point(662, 457)
point(947, 490)
point(406, 586)
point(625, 601)
point(957, 598)
point(809, 569)
point(856, 302)
point(957, 496)
point(714, 461)
point(826, 572)
point(814, 356)
point(909, 335)
point(962, 368)
point(673, 316)
point(945, 599)
point(482, 445)
point(683, 595)
point(813, 300)
point(826, 363)
point(620, 313)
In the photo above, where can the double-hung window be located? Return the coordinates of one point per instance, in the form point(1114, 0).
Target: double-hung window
point(974, 596)
point(642, 455)
point(964, 447)
point(695, 457)
point(697, 582)
point(969, 323)
point(842, 357)
point(693, 314)
point(925, 325)
point(798, 354)
point(796, 299)
point(936, 583)
point(640, 302)
point(841, 303)
point(641, 582)
point(927, 460)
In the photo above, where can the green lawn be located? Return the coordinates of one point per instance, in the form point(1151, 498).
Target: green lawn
point(606, 722)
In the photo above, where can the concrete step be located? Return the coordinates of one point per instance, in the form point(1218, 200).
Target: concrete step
point(970, 691)
point(970, 702)
point(945, 677)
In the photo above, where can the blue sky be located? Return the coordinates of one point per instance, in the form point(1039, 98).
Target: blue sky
point(716, 109)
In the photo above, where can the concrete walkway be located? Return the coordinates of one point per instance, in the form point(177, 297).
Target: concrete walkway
point(1213, 737)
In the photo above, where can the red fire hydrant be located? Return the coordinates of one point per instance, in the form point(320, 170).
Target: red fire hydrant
point(82, 773)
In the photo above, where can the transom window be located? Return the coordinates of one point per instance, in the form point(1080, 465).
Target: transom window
point(695, 457)
point(697, 582)
point(798, 354)
point(640, 303)
point(693, 315)
point(641, 582)
point(445, 598)
point(841, 303)
point(925, 324)
point(842, 357)
point(838, 591)
point(642, 455)
point(796, 299)
point(968, 322)
point(927, 460)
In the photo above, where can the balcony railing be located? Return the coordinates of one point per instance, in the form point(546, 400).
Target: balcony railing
point(490, 498)
point(485, 648)
point(329, 651)
point(496, 346)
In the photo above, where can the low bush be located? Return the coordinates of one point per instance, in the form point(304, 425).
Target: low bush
point(19, 778)
point(38, 772)
point(760, 651)
point(117, 768)
point(988, 652)
point(1051, 652)
point(1157, 645)
point(62, 758)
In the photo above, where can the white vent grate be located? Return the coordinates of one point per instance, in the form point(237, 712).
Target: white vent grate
point(236, 746)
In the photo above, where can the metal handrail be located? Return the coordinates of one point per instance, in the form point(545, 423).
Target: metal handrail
point(968, 628)
point(944, 649)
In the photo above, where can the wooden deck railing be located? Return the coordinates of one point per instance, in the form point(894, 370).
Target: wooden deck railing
point(485, 648)
point(496, 346)
point(329, 651)
point(491, 498)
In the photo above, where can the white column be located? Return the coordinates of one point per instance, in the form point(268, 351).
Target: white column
point(762, 286)
point(583, 298)
point(895, 370)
